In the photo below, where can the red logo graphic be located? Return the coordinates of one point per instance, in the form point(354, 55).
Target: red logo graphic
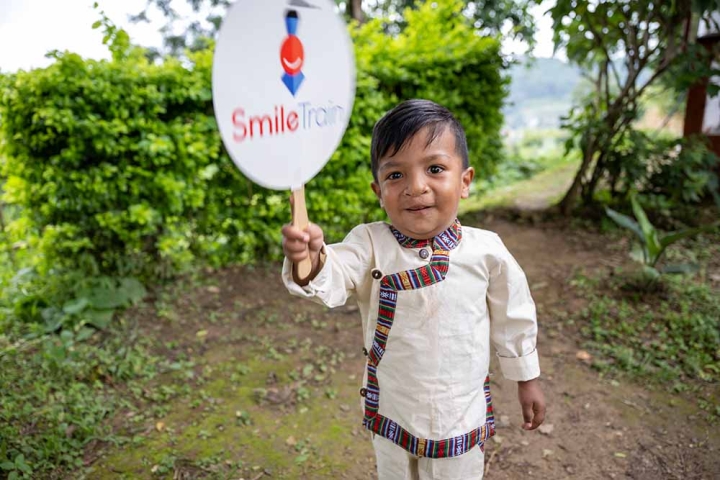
point(292, 54)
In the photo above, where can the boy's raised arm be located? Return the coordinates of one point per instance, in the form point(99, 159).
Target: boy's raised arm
point(338, 270)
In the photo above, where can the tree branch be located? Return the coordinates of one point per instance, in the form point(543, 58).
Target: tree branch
point(597, 39)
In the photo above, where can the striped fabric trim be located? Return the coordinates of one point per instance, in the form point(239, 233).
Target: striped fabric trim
point(448, 240)
point(421, 447)
point(390, 285)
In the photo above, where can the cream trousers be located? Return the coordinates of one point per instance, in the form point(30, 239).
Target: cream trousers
point(394, 463)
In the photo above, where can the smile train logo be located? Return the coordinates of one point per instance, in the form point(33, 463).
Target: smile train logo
point(292, 54)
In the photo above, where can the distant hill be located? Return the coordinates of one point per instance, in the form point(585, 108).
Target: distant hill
point(540, 93)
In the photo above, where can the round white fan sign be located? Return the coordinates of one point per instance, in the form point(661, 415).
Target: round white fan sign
point(283, 85)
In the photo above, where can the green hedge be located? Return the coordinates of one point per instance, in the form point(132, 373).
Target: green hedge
point(118, 167)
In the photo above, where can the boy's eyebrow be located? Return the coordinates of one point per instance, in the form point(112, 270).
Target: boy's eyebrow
point(386, 164)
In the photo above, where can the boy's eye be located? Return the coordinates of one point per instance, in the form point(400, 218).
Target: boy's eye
point(394, 176)
point(436, 169)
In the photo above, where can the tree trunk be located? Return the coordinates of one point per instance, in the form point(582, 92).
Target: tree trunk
point(595, 179)
point(356, 12)
point(570, 198)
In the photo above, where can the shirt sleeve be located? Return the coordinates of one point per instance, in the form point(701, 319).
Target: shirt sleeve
point(513, 321)
point(347, 264)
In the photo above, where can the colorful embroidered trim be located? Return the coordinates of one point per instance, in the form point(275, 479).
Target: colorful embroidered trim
point(449, 447)
point(390, 285)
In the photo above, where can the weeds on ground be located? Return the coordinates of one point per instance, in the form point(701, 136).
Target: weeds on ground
point(672, 333)
point(57, 394)
point(667, 332)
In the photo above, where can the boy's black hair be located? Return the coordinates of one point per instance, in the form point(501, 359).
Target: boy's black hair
point(400, 124)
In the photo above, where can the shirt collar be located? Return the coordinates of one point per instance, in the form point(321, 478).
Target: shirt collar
point(445, 240)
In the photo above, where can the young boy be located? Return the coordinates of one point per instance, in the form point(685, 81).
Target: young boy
point(433, 295)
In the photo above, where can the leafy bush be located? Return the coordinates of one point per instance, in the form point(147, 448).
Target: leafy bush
point(33, 305)
point(687, 173)
point(680, 170)
point(107, 160)
point(119, 168)
point(440, 56)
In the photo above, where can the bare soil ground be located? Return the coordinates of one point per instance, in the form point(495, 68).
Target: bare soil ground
point(273, 389)
point(600, 428)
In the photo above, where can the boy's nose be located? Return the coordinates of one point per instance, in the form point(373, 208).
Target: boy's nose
point(416, 186)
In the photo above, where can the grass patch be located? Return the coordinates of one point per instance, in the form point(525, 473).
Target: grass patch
point(284, 415)
point(665, 332)
point(57, 394)
point(666, 329)
point(670, 333)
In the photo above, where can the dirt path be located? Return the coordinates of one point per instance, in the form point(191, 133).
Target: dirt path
point(292, 370)
point(600, 428)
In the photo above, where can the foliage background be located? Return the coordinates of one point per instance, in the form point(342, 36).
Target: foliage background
point(118, 169)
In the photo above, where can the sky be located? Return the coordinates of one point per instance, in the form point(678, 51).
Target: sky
point(31, 28)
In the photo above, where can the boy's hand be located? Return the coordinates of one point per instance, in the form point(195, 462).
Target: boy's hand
point(298, 244)
point(532, 402)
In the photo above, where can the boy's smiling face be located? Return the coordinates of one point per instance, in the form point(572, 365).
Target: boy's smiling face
point(420, 186)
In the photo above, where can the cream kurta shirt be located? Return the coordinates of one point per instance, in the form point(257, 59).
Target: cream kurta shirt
point(438, 351)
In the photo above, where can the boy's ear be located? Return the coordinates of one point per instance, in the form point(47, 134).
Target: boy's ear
point(467, 178)
point(376, 188)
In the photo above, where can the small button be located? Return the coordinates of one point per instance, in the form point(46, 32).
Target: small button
point(365, 351)
point(363, 392)
point(376, 274)
point(424, 253)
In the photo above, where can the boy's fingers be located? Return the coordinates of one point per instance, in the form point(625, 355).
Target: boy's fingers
point(527, 412)
point(533, 415)
point(294, 233)
point(316, 236)
point(294, 246)
point(539, 417)
point(297, 257)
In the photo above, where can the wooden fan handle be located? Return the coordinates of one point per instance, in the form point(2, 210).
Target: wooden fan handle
point(300, 220)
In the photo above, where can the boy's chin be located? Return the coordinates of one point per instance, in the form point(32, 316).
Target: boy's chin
point(419, 233)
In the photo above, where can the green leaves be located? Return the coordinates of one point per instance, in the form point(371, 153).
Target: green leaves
point(17, 468)
point(118, 169)
point(57, 397)
point(93, 302)
point(114, 151)
point(650, 238)
point(672, 335)
point(626, 222)
point(112, 293)
point(625, 48)
point(652, 245)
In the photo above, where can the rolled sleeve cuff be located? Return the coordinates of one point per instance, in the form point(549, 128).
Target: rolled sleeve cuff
point(520, 369)
point(316, 286)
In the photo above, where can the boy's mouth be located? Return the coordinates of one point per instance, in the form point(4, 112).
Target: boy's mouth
point(418, 208)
